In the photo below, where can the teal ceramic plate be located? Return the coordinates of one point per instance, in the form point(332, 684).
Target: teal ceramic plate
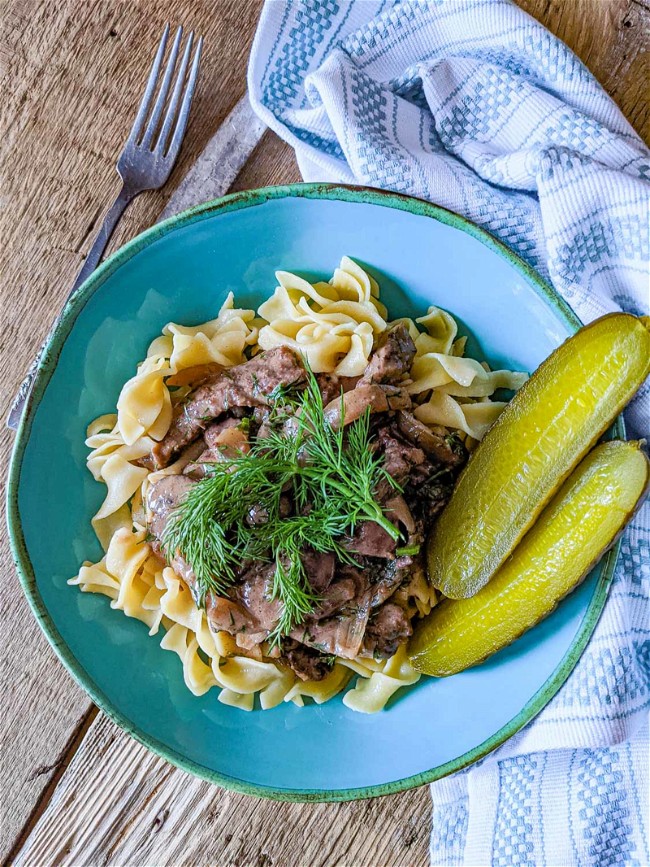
point(181, 270)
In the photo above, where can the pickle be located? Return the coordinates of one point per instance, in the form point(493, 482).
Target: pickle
point(532, 447)
point(576, 528)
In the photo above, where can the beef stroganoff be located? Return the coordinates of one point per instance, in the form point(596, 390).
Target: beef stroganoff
point(271, 478)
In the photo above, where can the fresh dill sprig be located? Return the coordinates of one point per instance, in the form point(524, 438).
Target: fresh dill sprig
point(288, 538)
point(344, 467)
point(332, 475)
point(198, 528)
point(193, 532)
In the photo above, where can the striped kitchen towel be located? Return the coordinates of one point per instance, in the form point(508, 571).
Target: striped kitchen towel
point(475, 106)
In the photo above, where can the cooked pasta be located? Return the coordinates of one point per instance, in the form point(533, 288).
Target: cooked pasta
point(372, 692)
point(144, 407)
point(334, 325)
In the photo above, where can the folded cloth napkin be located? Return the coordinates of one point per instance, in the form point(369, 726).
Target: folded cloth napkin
point(475, 106)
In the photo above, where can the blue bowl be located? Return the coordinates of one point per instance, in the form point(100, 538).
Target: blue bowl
point(181, 270)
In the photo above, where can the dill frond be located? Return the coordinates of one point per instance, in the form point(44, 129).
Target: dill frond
point(332, 475)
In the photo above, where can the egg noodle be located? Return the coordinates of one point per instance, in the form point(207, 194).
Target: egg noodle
point(334, 325)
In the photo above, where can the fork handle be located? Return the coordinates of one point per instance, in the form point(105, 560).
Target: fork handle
point(112, 218)
point(124, 197)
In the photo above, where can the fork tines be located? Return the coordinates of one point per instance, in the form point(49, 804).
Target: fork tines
point(156, 136)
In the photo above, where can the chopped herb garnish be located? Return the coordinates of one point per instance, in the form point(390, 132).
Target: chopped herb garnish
point(455, 443)
point(408, 551)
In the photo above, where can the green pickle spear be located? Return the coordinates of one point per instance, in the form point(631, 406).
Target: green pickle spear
point(579, 524)
point(539, 438)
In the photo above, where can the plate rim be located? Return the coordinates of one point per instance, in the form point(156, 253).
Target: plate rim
point(45, 370)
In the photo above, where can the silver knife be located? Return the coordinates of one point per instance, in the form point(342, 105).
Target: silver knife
point(209, 177)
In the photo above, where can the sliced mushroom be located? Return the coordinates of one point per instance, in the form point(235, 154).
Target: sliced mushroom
point(196, 375)
point(376, 398)
point(433, 441)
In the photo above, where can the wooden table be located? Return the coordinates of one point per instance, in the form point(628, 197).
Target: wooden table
point(75, 788)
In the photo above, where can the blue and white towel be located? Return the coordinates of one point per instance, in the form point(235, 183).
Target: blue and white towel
point(475, 106)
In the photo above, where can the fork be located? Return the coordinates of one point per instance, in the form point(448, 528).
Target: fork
point(144, 164)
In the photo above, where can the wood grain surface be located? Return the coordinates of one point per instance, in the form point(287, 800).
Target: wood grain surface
point(76, 790)
point(181, 820)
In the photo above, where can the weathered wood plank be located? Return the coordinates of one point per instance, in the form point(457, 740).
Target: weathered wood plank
point(611, 37)
point(70, 75)
point(119, 804)
point(272, 162)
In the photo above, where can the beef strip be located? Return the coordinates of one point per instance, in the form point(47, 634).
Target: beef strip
point(392, 358)
point(400, 458)
point(319, 569)
point(229, 615)
point(386, 630)
point(427, 498)
point(200, 468)
point(306, 662)
point(246, 385)
point(330, 385)
point(386, 577)
point(214, 433)
point(342, 634)
point(254, 593)
point(225, 440)
point(247, 611)
point(162, 498)
point(437, 442)
point(335, 597)
point(401, 461)
point(371, 540)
